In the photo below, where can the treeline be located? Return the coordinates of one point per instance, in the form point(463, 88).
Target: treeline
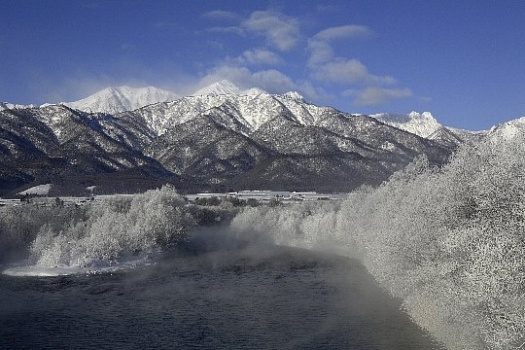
point(100, 233)
point(227, 201)
point(449, 241)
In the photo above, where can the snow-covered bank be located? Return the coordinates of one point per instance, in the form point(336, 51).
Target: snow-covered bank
point(449, 242)
point(25, 270)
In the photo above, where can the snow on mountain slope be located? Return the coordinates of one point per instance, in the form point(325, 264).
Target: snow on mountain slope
point(508, 130)
point(468, 135)
point(246, 139)
point(40, 190)
point(223, 87)
point(422, 124)
point(305, 113)
point(251, 108)
point(226, 87)
point(113, 100)
point(244, 111)
point(253, 91)
point(7, 105)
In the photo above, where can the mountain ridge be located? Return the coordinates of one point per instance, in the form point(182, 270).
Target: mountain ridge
point(118, 99)
point(121, 99)
point(212, 141)
point(422, 124)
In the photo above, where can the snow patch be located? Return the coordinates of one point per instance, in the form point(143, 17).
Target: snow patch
point(22, 270)
point(294, 95)
point(7, 105)
point(40, 190)
point(421, 124)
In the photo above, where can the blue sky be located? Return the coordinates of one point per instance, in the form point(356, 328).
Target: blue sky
point(464, 61)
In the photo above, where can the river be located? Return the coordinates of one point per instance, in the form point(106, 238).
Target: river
point(207, 295)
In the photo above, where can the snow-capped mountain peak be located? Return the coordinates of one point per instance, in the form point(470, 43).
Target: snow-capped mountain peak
point(226, 87)
point(422, 124)
point(294, 95)
point(222, 137)
point(508, 130)
point(223, 87)
point(121, 99)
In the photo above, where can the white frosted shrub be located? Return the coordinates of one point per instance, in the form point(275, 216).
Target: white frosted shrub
point(20, 225)
point(115, 230)
point(249, 225)
point(450, 243)
point(296, 224)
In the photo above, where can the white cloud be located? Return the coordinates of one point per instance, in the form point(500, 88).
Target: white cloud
point(220, 15)
point(227, 30)
point(310, 91)
point(237, 66)
point(260, 56)
point(81, 85)
point(320, 44)
point(326, 67)
point(373, 96)
point(343, 32)
point(280, 31)
point(270, 80)
point(327, 8)
point(240, 76)
point(349, 71)
point(342, 71)
point(320, 51)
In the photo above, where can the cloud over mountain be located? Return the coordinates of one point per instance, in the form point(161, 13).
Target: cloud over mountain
point(280, 31)
point(327, 70)
point(320, 45)
point(372, 96)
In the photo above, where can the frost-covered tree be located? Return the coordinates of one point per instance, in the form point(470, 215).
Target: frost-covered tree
point(450, 241)
point(114, 230)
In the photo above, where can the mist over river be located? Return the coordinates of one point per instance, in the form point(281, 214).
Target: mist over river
point(210, 293)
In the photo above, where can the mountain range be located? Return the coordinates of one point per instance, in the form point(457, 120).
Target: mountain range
point(120, 99)
point(219, 138)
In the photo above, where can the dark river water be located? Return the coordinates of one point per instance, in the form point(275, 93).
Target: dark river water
point(209, 297)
